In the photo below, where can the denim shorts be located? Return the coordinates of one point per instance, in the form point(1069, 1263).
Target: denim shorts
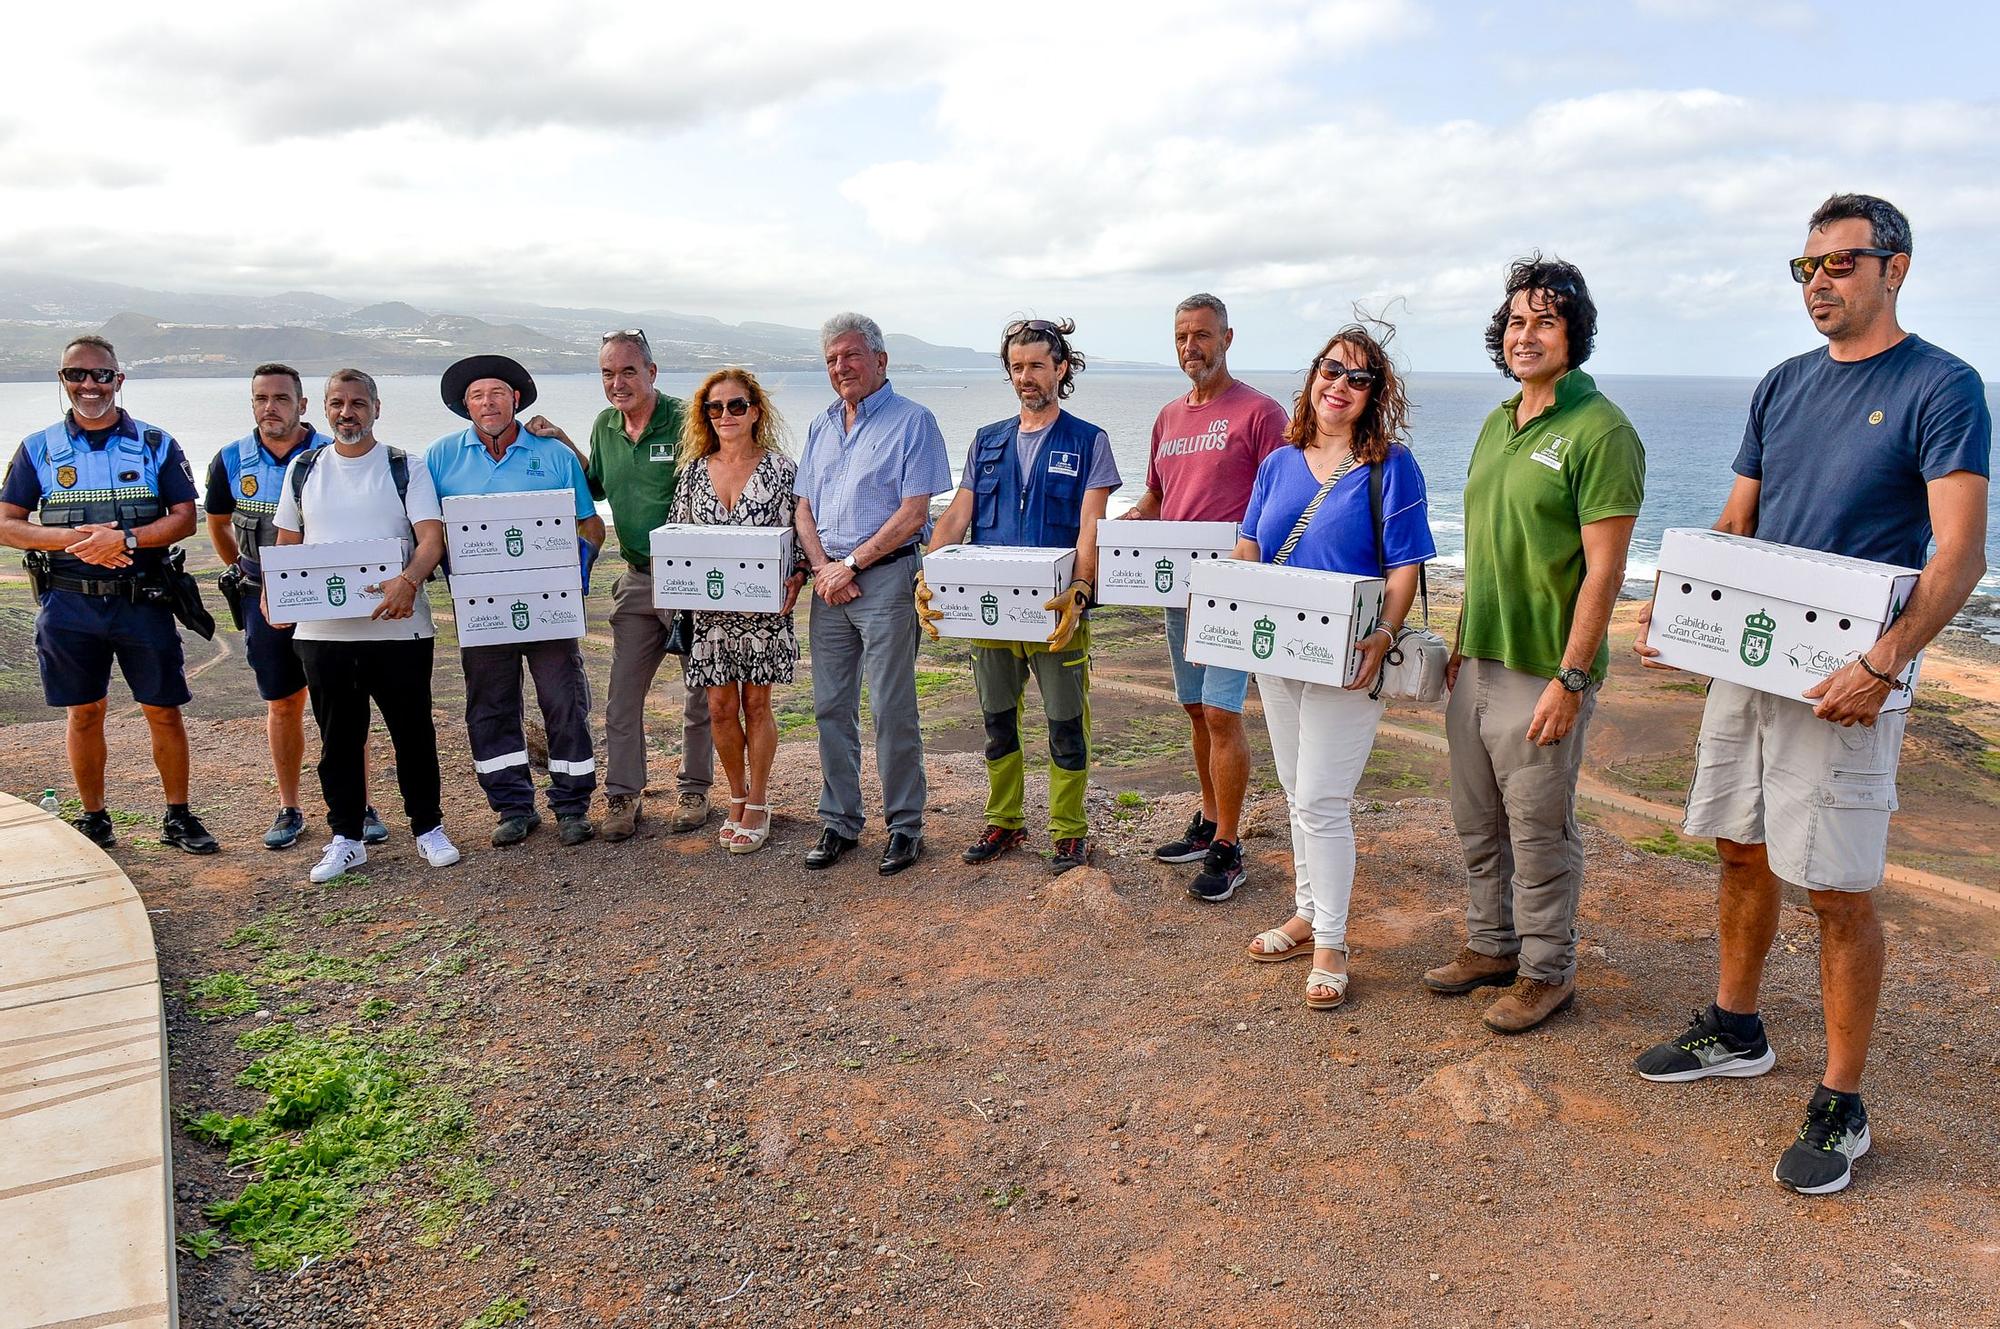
point(1207, 685)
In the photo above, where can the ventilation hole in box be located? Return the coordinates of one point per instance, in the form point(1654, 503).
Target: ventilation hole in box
point(1302, 615)
point(1211, 604)
point(1324, 619)
point(745, 565)
point(1715, 595)
point(1232, 606)
point(1687, 588)
point(1812, 615)
point(1846, 623)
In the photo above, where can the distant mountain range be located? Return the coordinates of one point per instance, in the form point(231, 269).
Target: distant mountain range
point(162, 334)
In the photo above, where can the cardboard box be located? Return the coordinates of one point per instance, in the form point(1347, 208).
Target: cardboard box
point(531, 604)
point(996, 592)
point(739, 568)
point(1769, 616)
point(1149, 562)
point(312, 583)
point(1292, 622)
point(496, 532)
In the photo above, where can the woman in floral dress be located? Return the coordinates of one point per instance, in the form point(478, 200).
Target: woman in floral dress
point(734, 472)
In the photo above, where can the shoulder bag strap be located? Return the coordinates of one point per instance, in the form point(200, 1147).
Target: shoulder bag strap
point(1381, 551)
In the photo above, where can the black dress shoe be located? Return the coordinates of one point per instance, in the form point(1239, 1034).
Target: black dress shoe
point(832, 844)
point(904, 849)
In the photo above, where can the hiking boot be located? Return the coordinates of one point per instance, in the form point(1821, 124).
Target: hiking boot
point(1470, 970)
point(182, 829)
point(96, 828)
point(1821, 1160)
point(1192, 845)
point(1221, 873)
point(1530, 1002)
point(515, 827)
point(1708, 1048)
point(340, 856)
point(621, 817)
point(286, 827)
point(372, 829)
point(690, 812)
point(1070, 853)
point(996, 841)
point(573, 828)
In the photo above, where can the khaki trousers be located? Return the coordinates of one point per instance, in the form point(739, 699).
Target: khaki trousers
point(638, 647)
point(1515, 806)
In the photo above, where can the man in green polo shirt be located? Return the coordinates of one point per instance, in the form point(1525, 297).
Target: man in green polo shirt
point(1553, 490)
point(634, 450)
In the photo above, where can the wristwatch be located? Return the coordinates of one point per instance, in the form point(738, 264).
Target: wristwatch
point(850, 564)
point(1573, 680)
point(131, 542)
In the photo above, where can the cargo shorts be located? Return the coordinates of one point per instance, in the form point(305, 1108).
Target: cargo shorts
point(1817, 795)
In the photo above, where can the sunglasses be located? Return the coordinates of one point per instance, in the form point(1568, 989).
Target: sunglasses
point(1356, 378)
point(1840, 263)
point(626, 334)
point(735, 406)
point(98, 376)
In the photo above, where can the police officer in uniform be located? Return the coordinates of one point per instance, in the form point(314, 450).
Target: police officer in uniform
point(244, 482)
point(113, 495)
point(1040, 479)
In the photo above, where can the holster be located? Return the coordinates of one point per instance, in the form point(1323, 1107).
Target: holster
point(36, 561)
point(183, 596)
point(232, 584)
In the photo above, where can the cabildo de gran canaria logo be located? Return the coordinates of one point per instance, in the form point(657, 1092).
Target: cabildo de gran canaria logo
point(989, 608)
point(1757, 630)
point(516, 546)
point(1163, 576)
point(715, 583)
point(521, 618)
point(336, 590)
point(1263, 638)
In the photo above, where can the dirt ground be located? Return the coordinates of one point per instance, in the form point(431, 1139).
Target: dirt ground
point(718, 1090)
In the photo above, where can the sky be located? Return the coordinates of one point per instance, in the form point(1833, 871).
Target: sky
point(946, 167)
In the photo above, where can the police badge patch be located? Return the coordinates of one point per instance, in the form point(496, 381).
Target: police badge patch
point(66, 476)
point(249, 486)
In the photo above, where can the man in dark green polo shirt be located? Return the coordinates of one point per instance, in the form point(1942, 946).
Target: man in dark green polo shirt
point(634, 450)
point(1551, 495)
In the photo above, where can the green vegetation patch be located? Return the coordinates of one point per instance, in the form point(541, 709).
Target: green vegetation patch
point(342, 1113)
point(499, 1311)
point(1669, 845)
point(222, 996)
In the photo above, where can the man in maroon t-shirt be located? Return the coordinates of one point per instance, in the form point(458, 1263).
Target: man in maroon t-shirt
point(1206, 449)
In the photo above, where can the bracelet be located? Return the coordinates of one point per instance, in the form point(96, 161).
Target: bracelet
point(1886, 680)
point(414, 585)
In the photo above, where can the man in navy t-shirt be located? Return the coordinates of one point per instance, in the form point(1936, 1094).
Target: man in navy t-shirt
point(1870, 447)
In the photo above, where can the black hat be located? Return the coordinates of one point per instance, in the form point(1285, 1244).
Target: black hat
point(475, 367)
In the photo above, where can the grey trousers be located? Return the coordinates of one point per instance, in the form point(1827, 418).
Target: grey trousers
point(875, 636)
point(638, 646)
point(1515, 807)
point(493, 700)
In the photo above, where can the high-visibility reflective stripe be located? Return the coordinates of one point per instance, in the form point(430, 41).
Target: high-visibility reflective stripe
point(588, 766)
point(501, 763)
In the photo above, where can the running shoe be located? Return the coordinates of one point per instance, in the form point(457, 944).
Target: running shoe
point(1221, 873)
point(1192, 845)
point(1706, 1049)
point(1821, 1160)
point(340, 856)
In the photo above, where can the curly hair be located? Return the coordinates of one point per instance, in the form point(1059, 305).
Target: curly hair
point(698, 436)
point(1055, 336)
point(1560, 287)
point(1385, 419)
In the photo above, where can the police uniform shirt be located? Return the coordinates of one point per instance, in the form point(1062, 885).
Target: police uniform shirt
point(23, 485)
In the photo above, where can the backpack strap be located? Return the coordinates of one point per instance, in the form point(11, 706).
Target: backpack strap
point(300, 470)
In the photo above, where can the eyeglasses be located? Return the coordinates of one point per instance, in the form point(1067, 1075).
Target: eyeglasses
point(98, 376)
point(735, 406)
point(1356, 378)
point(1839, 263)
point(627, 334)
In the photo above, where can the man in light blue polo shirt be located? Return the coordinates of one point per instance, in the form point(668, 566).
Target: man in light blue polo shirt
point(872, 463)
point(497, 456)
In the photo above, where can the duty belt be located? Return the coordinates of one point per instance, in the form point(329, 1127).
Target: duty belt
point(136, 589)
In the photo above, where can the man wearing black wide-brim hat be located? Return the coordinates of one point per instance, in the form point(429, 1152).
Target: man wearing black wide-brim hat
point(497, 456)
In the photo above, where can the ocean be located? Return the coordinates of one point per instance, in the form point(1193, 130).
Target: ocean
point(1691, 428)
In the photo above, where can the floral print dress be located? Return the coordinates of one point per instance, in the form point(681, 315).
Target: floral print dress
point(736, 646)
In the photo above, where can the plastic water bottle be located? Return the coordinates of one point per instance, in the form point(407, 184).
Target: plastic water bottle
point(50, 803)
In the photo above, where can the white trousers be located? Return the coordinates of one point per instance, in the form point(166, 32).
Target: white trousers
point(1320, 737)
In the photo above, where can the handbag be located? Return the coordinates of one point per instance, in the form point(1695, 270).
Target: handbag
point(1414, 668)
point(680, 637)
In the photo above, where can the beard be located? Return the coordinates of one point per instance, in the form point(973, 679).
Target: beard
point(349, 436)
point(1033, 399)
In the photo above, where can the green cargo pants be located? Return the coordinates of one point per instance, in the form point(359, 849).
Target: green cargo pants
point(1000, 670)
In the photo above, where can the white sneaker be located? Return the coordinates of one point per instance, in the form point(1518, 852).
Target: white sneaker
point(437, 850)
point(340, 856)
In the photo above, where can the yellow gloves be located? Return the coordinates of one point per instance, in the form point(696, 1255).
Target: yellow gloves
point(927, 617)
point(1068, 609)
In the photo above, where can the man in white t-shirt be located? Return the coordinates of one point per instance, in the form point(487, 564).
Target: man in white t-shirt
point(358, 489)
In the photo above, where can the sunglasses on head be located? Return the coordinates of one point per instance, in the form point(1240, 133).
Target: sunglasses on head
point(627, 334)
point(735, 406)
point(1356, 378)
point(1839, 263)
point(99, 376)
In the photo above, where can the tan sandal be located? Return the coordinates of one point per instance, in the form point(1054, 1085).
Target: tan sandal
point(1277, 944)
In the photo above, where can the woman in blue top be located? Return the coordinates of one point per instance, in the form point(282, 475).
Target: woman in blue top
point(1347, 420)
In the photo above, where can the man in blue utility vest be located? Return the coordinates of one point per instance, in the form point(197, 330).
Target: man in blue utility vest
point(1040, 479)
point(497, 456)
point(241, 497)
point(113, 494)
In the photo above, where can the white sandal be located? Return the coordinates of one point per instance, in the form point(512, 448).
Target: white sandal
point(749, 839)
point(1277, 944)
point(729, 826)
point(1325, 978)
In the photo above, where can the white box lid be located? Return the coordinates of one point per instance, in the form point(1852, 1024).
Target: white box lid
point(330, 554)
point(688, 540)
point(1167, 535)
point(1003, 564)
point(1268, 583)
point(514, 582)
point(1808, 577)
point(522, 503)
